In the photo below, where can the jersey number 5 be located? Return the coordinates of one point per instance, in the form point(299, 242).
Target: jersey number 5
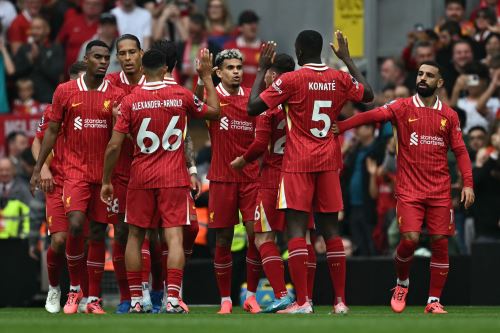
point(171, 131)
point(317, 116)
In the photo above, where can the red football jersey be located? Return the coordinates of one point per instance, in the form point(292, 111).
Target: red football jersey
point(230, 136)
point(56, 166)
point(270, 138)
point(87, 117)
point(122, 168)
point(424, 136)
point(313, 97)
point(156, 117)
point(251, 56)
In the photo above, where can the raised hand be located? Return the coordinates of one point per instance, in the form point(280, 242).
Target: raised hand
point(267, 54)
point(204, 64)
point(342, 50)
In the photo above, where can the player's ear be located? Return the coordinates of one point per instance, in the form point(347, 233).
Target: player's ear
point(440, 82)
point(218, 72)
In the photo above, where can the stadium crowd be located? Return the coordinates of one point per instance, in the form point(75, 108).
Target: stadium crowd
point(40, 40)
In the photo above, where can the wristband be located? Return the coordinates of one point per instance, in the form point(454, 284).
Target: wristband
point(193, 170)
point(200, 82)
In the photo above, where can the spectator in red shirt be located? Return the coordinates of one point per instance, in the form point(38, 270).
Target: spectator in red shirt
point(249, 44)
point(79, 28)
point(19, 29)
point(25, 104)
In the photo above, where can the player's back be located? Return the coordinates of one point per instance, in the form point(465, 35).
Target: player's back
point(274, 121)
point(424, 137)
point(317, 94)
point(158, 122)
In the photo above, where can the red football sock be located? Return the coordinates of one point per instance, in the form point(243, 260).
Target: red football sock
point(223, 264)
point(146, 261)
point(439, 266)
point(174, 282)
point(404, 257)
point(134, 282)
point(120, 270)
point(164, 260)
point(335, 256)
point(156, 268)
point(84, 277)
point(311, 270)
point(254, 266)
point(297, 264)
point(74, 256)
point(95, 266)
point(190, 233)
point(55, 262)
point(274, 268)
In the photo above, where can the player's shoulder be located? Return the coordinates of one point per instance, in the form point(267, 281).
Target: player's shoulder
point(114, 90)
point(113, 78)
point(68, 86)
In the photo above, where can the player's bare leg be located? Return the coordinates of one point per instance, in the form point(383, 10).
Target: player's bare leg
point(95, 265)
point(74, 254)
point(175, 268)
point(274, 269)
point(254, 270)
point(403, 259)
point(439, 272)
point(119, 245)
point(55, 262)
point(133, 262)
point(223, 264)
point(296, 223)
point(328, 226)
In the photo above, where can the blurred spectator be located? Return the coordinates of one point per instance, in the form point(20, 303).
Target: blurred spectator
point(187, 51)
point(401, 92)
point(455, 11)
point(493, 5)
point(392, 71)
point(449, 33)
point(361, 212)
point(24, 103)
point(172, 21)
point(17, 142)
point(386, 96)
point(14, 198)
point(486, 210)
point(423, 51)
point(108, 33)
point(461, 55)
point(474, 82)
point(477, 138)
point(219, 22)
point(249, 43)
point(78, 28)
point(484, 19)
point(134, 20)
point(7, 14)
point(40, 60)
point(6, 67)
point(492, 92)
point(55, 11)
point(492, 47)
point(18, 32)
point(417, 35)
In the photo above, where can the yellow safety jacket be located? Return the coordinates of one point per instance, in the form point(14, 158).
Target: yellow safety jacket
point(14, 220)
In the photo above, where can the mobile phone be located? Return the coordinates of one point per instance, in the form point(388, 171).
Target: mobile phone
point(472, 80)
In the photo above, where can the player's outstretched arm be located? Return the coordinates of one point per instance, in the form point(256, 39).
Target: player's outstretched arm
point(377, 115)
point(48, 142)
point(342, 52)
point(255, 104)
point(110, 157)
point(204, 69)
point(259, 144)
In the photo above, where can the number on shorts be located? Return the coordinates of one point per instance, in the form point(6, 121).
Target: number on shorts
point(318, 116)
point(257, 213)
point(171, 131)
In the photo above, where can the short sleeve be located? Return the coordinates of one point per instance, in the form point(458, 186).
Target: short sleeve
point(195, 107)
point(122, 124)
point(56, 113)
point(279, 91)
point(43, 124)
point(353, 89)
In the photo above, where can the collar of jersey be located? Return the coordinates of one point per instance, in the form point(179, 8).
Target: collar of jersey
point(80, 82)
point(316, 67)
point(419, 104)
point(220, 89)
point(153, 85)
point(124, 79)
point(169, 80)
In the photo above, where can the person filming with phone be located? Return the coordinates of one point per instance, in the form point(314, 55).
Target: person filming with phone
point(467, 91)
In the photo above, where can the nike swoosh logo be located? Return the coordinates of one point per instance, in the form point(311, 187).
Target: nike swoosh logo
point(410, 120)
point(224, 104)
point(76, 104)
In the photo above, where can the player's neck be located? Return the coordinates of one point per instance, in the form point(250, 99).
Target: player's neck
point(428, 101)
point(153, 77)
point(92, 82)
point(312, 61)
point(134, 78)
point(232, 90)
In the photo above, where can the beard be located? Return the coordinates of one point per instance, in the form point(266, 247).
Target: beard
point(425, 90)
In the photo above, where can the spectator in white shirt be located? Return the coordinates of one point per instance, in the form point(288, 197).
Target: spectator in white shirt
point(134, 20)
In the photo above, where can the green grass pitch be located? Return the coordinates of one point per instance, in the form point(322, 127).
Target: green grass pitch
point(204, 319)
